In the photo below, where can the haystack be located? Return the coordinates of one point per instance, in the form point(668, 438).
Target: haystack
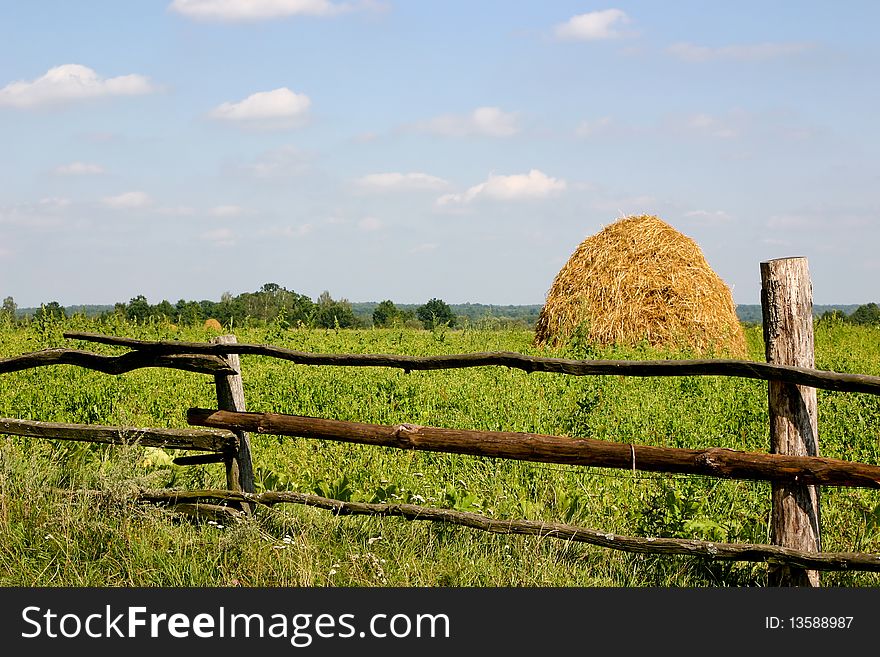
point(641, 281)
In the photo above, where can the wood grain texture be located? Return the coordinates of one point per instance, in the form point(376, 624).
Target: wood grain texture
point(230, 396)
point(787, 305)
point(715, 461)
point(189, 439)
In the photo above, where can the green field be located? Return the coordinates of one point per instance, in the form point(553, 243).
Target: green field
point(50, 537)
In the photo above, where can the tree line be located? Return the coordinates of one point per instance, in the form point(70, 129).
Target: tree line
point(867, 314)
point(272, 303)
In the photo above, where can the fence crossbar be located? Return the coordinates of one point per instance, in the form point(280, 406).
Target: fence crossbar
point(714, 462)
point(668, 546)
point(190, 362)
point(199, 440)
point(822, 379)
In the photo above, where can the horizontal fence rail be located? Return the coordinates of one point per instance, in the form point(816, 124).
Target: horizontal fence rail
point(199, 363)
point(716, 461)
point(187, 439)
point(821, 379)
point(677, 546)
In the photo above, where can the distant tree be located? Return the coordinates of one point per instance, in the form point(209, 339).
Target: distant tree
point(9, 308)
point(435, 313)
point(867, 314)
point(386, 314)
point(164, 309)
point(332, 314)
point(188, 312)
point(271, 301)
point(138, 309)
point(49, 311)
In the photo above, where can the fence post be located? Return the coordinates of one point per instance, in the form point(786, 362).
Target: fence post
point(230, 397)
point(787, 310)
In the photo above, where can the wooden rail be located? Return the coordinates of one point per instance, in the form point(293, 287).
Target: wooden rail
point(189, 362)
point(677, 546)
point(715, 462)
point(189, 439)
point(822, 379)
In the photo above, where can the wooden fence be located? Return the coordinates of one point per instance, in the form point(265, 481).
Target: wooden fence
point(792, 465)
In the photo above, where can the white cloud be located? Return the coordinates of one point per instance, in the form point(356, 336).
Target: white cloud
point(255, 10)
point(127, 201)
point(532, 185)
point(79, 169)
point(594, 127)
point(221, 237)
point(279, 107)
point(71, 82)
point(394, 181)
point(483, 121)
point(47, 213)
point(370, 224)
point(756, 52)
point(593, 26)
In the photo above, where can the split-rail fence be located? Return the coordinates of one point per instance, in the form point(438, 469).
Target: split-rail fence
point(792, 464)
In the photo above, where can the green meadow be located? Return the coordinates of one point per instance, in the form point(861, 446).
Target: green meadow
point(52, 536)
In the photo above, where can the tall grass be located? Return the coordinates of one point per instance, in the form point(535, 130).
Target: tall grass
point(52, 536)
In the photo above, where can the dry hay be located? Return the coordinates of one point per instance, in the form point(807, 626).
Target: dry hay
point(641, 281)
point(213, 325)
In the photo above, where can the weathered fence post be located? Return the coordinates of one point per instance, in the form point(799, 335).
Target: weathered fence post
point(787, 308)
point(230, 397)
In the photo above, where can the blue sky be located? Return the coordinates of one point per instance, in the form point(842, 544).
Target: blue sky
point(408, 150)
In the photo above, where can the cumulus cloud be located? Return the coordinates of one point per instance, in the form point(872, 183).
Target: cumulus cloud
point(483, 121)
point(593, 26)
point(127, 201)
point(395, 181)
point(756, 52)
point(256, 10)
point(79, 169)
point(69, 83)
point(279, 107)
point(532, 185)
